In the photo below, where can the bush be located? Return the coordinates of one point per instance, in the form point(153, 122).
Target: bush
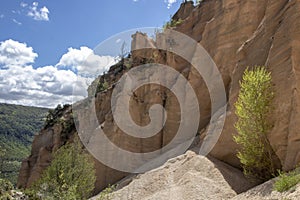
point(253, 108)
point(287, 181)
point(6, 196)
point(106, 193)
point(102, 86)
point(172, 23)
point(31, 194)
point(53, 115)
point(5, 189)
point(71, 175)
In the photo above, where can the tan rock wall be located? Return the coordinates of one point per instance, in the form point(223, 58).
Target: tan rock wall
point(236, 34)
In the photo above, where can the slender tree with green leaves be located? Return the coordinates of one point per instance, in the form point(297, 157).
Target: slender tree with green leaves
point(253, 109)
point(70, 176)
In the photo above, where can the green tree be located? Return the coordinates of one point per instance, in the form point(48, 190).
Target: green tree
point(71, 175)
point(253, 109)
point(2, 155)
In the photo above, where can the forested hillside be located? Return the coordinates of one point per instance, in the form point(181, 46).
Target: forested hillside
point(18, 125)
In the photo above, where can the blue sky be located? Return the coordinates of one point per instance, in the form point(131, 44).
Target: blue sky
point(43, 41)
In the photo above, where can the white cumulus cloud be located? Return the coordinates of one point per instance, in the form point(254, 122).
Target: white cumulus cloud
point(39, 14)
point(46, 86)
point(15, 53)
point(84, 61)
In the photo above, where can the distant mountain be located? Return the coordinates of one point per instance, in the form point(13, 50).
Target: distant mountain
point(18, 125)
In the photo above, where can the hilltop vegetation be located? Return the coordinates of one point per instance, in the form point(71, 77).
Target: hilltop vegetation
point(18, 125)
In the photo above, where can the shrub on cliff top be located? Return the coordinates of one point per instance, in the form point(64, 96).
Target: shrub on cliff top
point(172, 23)
point(253, 109)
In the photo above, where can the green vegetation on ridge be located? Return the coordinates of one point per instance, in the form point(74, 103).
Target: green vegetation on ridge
point(18, 125)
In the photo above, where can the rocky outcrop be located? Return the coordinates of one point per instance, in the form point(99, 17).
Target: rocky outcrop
point(54, 135)
point(184, 11)
point(258, 33)
point(236, 34)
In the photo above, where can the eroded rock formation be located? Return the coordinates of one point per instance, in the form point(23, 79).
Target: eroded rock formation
point(236, 34)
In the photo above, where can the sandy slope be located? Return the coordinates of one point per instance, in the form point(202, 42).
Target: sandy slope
point(188, 176)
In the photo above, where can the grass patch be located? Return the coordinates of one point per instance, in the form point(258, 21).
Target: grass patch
point(286, 181)
point(106, 194)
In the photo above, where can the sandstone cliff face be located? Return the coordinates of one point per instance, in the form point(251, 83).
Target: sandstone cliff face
point(49, 139)
point(249, 33)
point(236, 34)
